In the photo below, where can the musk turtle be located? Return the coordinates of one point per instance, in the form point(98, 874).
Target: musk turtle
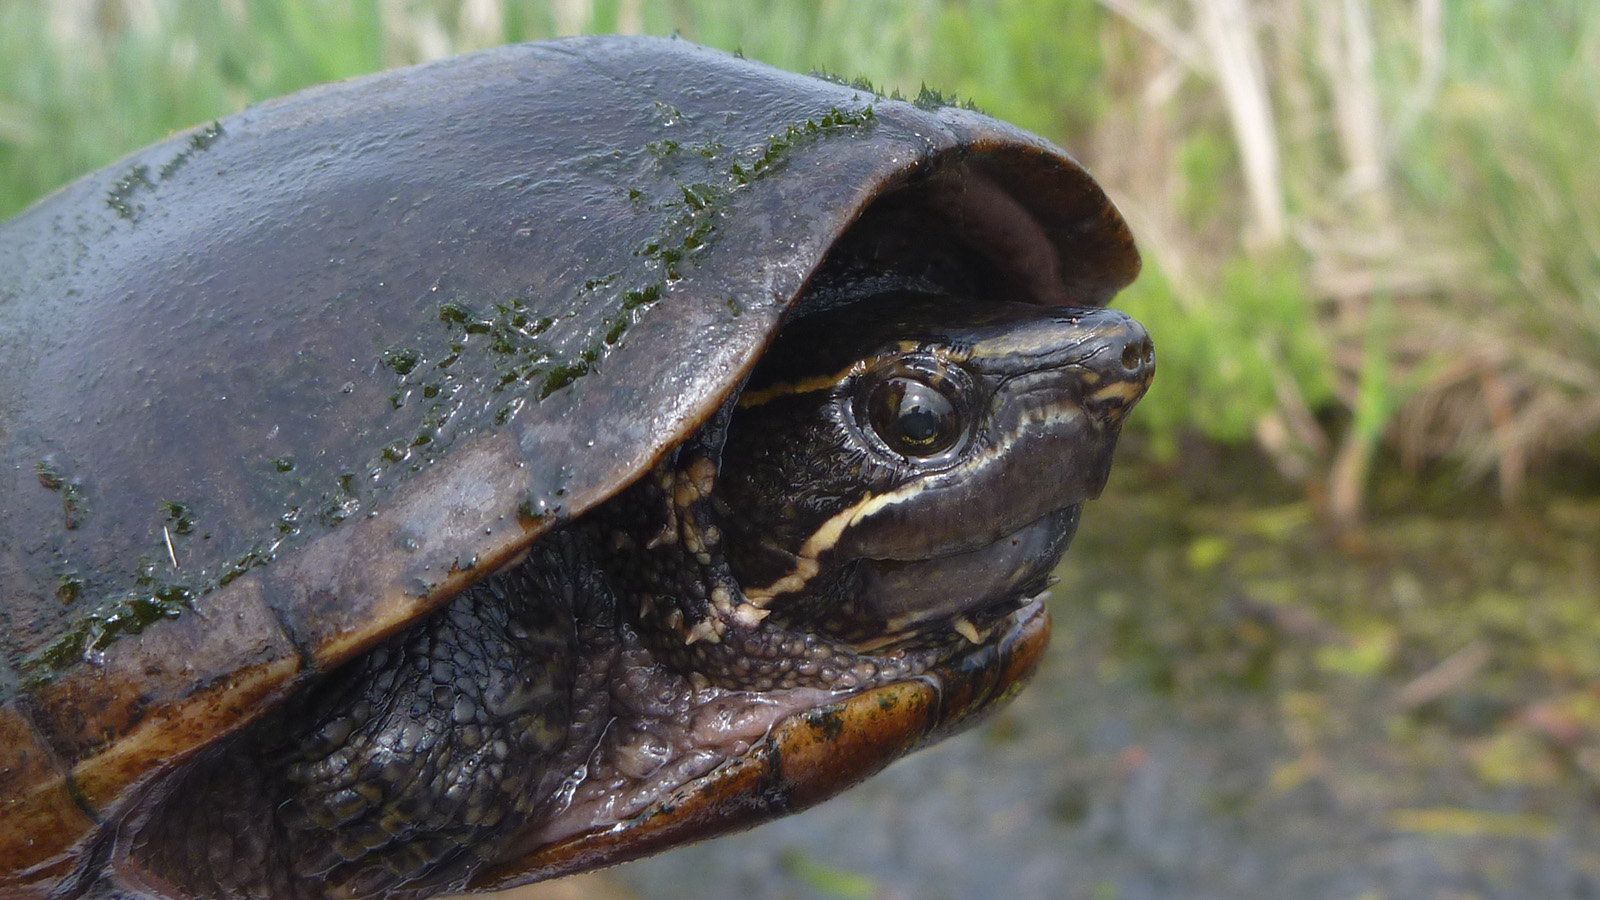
point(492, 469)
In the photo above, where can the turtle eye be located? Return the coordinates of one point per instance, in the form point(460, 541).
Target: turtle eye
point(912, 417)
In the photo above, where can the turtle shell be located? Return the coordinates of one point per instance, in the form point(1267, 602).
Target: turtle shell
point(283, 383)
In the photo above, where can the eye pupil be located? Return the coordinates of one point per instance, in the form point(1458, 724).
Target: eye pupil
point(918, 424)
point(912, 417)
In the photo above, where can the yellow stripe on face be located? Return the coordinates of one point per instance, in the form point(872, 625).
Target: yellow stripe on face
point(813, 383)
point(822, 540)
point(1118, 391)
point(1041, 341)
point(1023, 342)
point(802, 386)
point(825, 537)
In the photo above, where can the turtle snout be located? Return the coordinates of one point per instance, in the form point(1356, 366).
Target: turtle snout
point(1120, 372)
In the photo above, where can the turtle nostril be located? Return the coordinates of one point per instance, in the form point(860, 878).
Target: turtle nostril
point(1135, 354)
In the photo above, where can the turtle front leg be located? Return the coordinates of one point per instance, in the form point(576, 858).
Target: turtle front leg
point(407, 769)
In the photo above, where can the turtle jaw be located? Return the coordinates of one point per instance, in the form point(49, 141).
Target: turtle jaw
point(810, 755)
point(906, 594)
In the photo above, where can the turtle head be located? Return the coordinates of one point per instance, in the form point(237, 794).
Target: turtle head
point(917, 460)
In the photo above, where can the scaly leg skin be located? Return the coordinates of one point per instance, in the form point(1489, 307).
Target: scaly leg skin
point(406, 769)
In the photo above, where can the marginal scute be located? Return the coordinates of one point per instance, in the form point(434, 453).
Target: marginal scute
point(41, 818)
point(151, 692)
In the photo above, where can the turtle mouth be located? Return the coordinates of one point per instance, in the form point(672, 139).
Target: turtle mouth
point(903, 616)
point(906, 593)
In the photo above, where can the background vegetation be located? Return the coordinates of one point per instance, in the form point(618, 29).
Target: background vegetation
point(1369, 225)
